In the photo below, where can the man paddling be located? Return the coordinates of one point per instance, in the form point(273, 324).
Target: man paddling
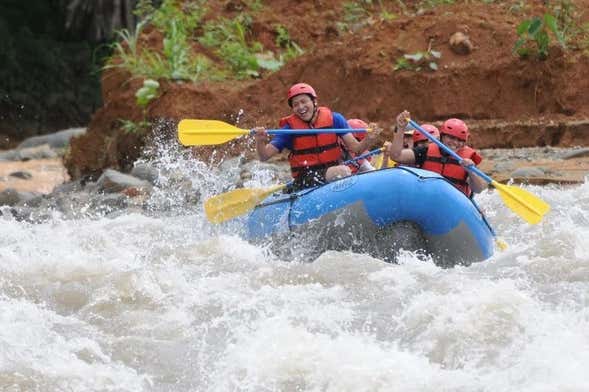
point(314, 159)
point(454, 134)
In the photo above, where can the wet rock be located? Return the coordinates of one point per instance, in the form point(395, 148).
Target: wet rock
point(504, 166)
point(109, 203)
point(10, 155)
point(580, 153)
point(526, 172)
point(23, 175)
point(72, 205)
point(112, 181)
point(43, 151)
point(55, 140)
point(68, 187)
point(145, 172)
point(35, 201)
point(24, 214)
point(11, 197)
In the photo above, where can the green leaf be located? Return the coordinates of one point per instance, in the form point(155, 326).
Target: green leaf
point(523, 52)
point(433, 66)
point(518, 44)
point(387, 16)
point(543, 40)
point(151, 83)
point(436, 54)
point(523, 27)
point(147, 93)
point(535, 26)
point(269, 62)
point(402, 63)
point(551, 22)
point(415, 57)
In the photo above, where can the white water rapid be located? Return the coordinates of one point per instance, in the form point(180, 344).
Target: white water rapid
point(160, 300)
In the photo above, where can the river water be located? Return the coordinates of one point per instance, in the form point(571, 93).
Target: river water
point(160, 300)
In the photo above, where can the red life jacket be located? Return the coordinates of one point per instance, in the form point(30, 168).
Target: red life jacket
point(313, 152)
point(449, 167)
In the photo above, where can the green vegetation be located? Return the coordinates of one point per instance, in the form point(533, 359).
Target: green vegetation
point(129, 126)
point(561, 23)
point(228, 38)
point(126, 51)
point(518, 7)
point(357, 14)
point(181, 25)
point(434, 3)
point(283, 40)
point(177, 25)
point(147, 93)
point(419, 61)
point(354, 12)
point(575, 32)
point(535, 35)
point(254, 5)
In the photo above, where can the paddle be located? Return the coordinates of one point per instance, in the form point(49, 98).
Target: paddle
point(377, 163)
point(528, 206)
point(237, 202)
point(211, 132)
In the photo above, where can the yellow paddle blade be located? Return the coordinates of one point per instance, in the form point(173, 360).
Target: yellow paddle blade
point(237, 202)
point(377, 162)
point(207, 132)
point(531, 208)
point(501, 244)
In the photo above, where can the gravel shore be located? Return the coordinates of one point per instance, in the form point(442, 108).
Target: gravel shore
point(536, 165)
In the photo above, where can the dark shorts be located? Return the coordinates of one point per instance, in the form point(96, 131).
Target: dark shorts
point(307, 179)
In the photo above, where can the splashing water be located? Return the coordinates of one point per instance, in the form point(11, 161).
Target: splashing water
point(163, 301)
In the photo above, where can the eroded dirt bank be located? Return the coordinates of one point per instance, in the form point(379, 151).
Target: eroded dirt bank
point(508, 101)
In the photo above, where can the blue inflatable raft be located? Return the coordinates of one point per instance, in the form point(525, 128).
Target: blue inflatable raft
point(378, 212)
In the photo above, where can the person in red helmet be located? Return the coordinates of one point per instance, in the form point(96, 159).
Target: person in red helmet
point(454, 134)
point(362, 165)
point(314, 159)
point(408, 138)
point(420, 140)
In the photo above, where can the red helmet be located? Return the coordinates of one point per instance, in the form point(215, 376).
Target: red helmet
point(356, 123)
point(455, 127)
point(418, 137)
point(301, 88)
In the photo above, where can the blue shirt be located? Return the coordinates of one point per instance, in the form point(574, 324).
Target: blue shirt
point(283, 141)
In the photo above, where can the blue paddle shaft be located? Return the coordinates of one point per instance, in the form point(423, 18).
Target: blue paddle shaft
point(365, 155)
point(311, 131)
point(471, 168)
